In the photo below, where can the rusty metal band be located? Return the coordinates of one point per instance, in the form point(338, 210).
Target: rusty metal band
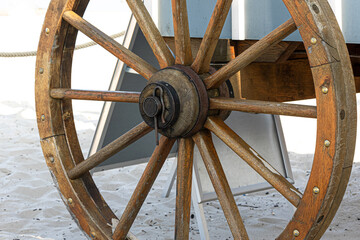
point(202, 94)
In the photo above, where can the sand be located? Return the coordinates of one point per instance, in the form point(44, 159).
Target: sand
point(30, 206)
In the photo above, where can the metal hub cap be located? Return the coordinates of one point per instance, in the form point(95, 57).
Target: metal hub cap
point(159, 104)
point(152, 106)
point(175, 102)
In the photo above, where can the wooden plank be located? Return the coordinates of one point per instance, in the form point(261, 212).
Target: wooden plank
point(270, 78)
point(357, 83)
point(354, 51)
point(274, 82)
point(271, 55)
point(221, 53)
point(287, 53)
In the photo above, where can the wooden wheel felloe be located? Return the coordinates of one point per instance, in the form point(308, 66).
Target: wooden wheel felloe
point(184, 110)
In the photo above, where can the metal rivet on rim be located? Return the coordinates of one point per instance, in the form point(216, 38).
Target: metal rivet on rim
point(296, 233)
point(52, 159)
point(42, 117)
point(70, 201)
point(47, 30)
point(92, 234)
point(316, 190)
point(315, 8)
point(324, 90)
point(41, 70)
point(327, 143)
point(313, 41)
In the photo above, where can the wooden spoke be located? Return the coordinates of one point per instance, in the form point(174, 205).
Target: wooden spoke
point(183, 188)
point(152, 34)
point(181, 32)
point(216, 173)
point(249, 155)
point(318, 66)
point(202, 60)
point(114, 96)
point(143, 187)
point(253, 106)
point(109, 150)
point(250, 54)
point(115, 48)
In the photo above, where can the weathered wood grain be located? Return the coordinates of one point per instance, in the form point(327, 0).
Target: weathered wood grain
point(115, 48)
point(183, 51)
point(336, 115)
point(151, 33)
point(281, 75)
point(202, 60)
point(143, 187)
point(252, 106)
point(217, 176)
point(287, 53)
point(274, 82)
point(183, 188)
point(109, 150)
point(253, 159)
point(250, 54)
point(115, 96)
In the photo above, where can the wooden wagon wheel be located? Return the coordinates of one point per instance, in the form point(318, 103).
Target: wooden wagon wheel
point(178, 99)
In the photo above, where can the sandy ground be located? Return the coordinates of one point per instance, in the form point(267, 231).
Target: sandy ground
point(30, 206)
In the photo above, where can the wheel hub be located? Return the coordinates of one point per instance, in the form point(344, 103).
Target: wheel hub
point(159, 104)
point(175, 102)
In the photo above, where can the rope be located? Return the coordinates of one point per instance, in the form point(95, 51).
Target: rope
point(33, 53)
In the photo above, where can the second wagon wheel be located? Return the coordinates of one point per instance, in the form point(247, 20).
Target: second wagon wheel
point(179, 101)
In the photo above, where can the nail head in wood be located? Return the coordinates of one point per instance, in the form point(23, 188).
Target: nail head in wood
point(41, 70)
point(47, 30)
point(327, 143)
point(315, 8)
point(296, 233)
point(324, 90)
point(316, 190)
point(69, 200)
point(313, 41)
